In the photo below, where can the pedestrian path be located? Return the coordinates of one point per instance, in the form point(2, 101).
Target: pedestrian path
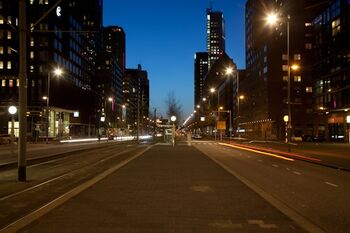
point(168, 189)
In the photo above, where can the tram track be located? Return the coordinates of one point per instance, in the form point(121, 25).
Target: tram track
point(84, 167)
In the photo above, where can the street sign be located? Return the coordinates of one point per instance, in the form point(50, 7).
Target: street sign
point(221, 125)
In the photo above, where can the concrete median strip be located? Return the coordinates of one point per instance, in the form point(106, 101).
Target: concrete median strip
point(31, 217)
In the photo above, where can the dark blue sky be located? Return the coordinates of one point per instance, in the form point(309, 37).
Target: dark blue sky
point(164, 35)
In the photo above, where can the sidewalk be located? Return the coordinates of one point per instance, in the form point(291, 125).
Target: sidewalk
point(167, 190)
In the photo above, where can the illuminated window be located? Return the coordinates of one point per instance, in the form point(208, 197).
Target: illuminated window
point(308, 89)
point(285, 78)
point(308, 24)
point(3, 83)
point(1, 65)
point(284, 57)
point(297, 78)
point(1, 50)
point(17, 82)
point(297, 57)
point(308, 46)
point(9, 50)
point(9, 19)
point(285, 67)
point(31, 2)
point(31, 41)
point(9, 65)
point(31, 54)
point(11, 83)
point(1, 20)
point(336, 27)
point(9, 35)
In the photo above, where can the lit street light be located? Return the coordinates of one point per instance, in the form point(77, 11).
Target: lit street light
point(272, 19)
point(56, 72)
point(173, 119)
point(12, 110)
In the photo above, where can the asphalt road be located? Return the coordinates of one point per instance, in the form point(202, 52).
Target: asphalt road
point(204, 188)
point(318, 193)
point(167, 190)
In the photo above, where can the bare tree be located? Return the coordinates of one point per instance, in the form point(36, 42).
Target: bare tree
point(174, 108)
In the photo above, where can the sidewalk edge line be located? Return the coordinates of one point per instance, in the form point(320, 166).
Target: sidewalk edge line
point(38, 213)
point(286, 210)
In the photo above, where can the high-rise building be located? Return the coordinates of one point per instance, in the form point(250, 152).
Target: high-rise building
point(114, 43)
point(110, 75)
point(136, 94)
point(267, 68)
point(57, 41)
point(331, 86)
point(215, 35)
point(200, 70)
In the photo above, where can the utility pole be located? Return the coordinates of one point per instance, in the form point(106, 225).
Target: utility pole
point(22, 144)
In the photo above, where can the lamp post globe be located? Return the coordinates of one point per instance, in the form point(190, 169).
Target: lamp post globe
point(12, 110)
point(173, 118)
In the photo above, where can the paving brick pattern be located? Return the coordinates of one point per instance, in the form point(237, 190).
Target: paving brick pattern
point(167, 190)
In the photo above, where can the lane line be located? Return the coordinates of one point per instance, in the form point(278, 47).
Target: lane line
point(256, 151)
point(275, 165)
point(331, 184)
point(31, 217)
point(297, 173)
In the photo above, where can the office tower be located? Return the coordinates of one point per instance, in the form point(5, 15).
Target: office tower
point(215, 35)
point(67, 38)
point(200, 70)
point(267, 80)
point(331, 77)
point(136, 94)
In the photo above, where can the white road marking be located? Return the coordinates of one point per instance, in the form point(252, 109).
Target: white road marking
point(275, 165)
point(331, 184)
point(262, 224)
point(297, 173)
point(260, 160)
point(288, 169)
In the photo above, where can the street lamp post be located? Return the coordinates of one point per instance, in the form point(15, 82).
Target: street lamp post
point(12, 110)
point(272, 19)
point(173, 119)
point(348, 122)
point(57, 72)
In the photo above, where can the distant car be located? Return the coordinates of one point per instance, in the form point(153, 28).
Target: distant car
point(197, 136)
point(5, 138)
point(312, 138)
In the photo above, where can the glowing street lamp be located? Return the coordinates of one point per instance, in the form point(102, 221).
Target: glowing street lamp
point(12, 110)
point(173, 119)
point(272, 19)
point(58, 72)
point(229, 70)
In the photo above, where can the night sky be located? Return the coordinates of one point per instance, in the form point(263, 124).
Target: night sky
point(163, 37)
